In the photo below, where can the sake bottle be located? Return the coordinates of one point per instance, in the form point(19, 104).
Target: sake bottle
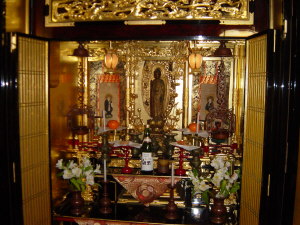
point(146, 150)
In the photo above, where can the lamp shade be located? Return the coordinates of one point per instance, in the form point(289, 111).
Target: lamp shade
point(195, 60)
point(111, 60)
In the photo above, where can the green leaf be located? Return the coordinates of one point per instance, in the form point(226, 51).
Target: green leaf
point(223, 190)
point(82, 187)
point(205, 197)
point(60, 174)
point(87, 168)
point(225, 193)
point(235, 187)
point(195, 172)
point(223, 185)
point(208, 179)
point(76, 185)
point(79, 181)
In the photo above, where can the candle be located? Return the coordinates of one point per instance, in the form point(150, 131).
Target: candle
point(104, 168)
point(198, 118)
point(172, 175)
point(103, 115)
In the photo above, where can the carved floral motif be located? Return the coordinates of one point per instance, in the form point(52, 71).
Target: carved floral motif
point(97, 10)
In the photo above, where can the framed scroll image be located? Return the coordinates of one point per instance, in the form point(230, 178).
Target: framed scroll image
point(108, 101)
point(208, 99)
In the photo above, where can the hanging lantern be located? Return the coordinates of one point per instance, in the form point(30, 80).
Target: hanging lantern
point(195, 61)
point(222, 50)
point(111, 60)
point(195, 58)
point(81, 51)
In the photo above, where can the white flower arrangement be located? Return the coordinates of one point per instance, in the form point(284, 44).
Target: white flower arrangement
point(200, 186)
point(79, 175)
point(221, 181)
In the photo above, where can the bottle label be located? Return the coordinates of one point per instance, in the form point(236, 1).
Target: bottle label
point(147, 139)
point(147, 161)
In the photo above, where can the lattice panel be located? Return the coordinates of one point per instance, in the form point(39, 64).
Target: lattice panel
point(33, 116)
point(254, 131)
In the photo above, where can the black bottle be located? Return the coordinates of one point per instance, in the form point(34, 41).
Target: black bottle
point(147, 155)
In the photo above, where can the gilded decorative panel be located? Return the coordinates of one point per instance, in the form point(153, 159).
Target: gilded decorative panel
point(68, 11)
point(140, 58)
point(137, 62)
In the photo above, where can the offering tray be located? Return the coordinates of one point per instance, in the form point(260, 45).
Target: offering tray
point(200, 133)
point(102, 130)
point(131, 144)
point(184, 146)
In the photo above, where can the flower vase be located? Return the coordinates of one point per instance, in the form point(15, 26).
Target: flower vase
point(195, 161)
point(218, 213)
point(77, 203)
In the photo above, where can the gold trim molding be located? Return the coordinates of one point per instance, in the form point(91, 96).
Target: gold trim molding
point(70, 11)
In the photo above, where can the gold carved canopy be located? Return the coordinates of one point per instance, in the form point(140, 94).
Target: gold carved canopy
point(69, 11)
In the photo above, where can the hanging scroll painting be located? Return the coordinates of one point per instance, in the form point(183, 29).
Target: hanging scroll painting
point(205, 86)
point(108, 103)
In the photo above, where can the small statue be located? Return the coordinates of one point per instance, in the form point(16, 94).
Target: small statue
point(157, 102)
point(157, 96)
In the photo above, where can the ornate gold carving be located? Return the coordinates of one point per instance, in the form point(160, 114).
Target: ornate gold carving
point(104, 10)
point(172, 57)
point(87, 194)
point(172, 120)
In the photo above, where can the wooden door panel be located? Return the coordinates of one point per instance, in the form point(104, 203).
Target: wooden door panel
point(254, 130)
point(34, 130)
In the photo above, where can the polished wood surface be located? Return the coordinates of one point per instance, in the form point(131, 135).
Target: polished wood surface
point(135, 214)
point(297, 198)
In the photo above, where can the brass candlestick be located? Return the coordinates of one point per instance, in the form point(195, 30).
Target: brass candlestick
point(105, 202)
point(171, 207)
